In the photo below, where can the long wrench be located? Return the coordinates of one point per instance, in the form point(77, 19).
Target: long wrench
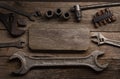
point(28, 62)
point(17, 44)
point(7, 7)
point(100, 40)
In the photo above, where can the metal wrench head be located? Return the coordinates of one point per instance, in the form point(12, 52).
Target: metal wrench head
point(20, 55)
point(20, 44)
point(98, 38)
point(97, 66)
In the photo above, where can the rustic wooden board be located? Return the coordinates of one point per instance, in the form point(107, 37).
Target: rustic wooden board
point(112, 54)
point(58, 39)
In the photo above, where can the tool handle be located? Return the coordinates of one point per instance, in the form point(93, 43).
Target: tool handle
point(113, 42)
point(7, 7)
point(100, 6)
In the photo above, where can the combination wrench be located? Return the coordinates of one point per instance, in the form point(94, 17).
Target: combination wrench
point(17, 44)
point(28, 62)
point(100, 40)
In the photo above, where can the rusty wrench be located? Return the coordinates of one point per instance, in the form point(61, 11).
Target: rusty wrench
point(10, 22)
point(7, 7)
point(100, 40)
point(29, 62)
point(17, 44)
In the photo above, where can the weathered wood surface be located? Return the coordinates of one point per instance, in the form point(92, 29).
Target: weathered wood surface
point(58, 39)
point(112, 54)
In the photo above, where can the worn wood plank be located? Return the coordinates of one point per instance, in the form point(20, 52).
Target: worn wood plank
point(112, 54)
point(58, 39)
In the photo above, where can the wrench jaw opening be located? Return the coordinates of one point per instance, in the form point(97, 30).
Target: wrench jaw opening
point(98, 38)
point(20, 44)
point(98, 67)
point(23, 69)
point(17, 32)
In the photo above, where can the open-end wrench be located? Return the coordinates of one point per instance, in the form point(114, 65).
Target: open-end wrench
point(100, 40)
point(28, 62)
point(7, 7)
point(18, 44)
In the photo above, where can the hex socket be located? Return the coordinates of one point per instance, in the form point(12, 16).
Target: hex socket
point(58, 12)
point(49, 14)
point(66, 15)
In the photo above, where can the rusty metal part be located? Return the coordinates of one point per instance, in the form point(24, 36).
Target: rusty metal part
point(66, 16)
point(10, 22)
point(58, 12)
point(100, 40)
point(49, 14)
point(28, 62)
point(103, 17)
point(17, 44)
point(37, 13)
point(21, 22)
point(77, 9)
point(20, 12)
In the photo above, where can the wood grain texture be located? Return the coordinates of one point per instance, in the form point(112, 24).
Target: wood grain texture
point(58, 39)
point(112, 54)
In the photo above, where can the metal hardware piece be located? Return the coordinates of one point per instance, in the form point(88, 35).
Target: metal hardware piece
point(10, 22)
point(17, 44)
point(77, 9)
point(37, 13)
point(49, 14)
point(103, 17)
point(66, 16)
point(20, 12)
point(58, 12)
point(28, 62)
point(100, 40)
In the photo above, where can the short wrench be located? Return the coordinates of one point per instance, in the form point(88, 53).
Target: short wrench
point(17, 44)
point(100, 40)
point(28, 62)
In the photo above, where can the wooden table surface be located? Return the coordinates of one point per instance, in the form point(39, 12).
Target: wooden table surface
point(112, 54)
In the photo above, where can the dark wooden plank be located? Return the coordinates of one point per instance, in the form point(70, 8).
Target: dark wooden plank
point(112, 54)
point(58, 39)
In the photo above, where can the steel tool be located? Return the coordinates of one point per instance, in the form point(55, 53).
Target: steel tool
point(100, 40)
point(28, 62)
point(17, 44)
point(58, 12)
point(66, 16)
point(103, 17)
point(20, 12)
point(49, 14)
point(10, 22)
point(77, 9)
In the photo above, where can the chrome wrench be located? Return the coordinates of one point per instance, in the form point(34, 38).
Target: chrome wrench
point(28, 62)
point(100, 40)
